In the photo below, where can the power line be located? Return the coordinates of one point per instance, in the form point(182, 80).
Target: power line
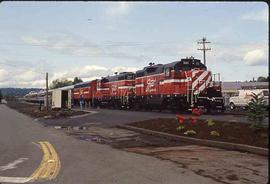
point(13, 65)
point(204, 49)
point(119, 44)
point(105, 44)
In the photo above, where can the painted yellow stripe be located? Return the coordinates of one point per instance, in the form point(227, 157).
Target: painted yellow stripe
point(48, 169)
point(50, 164)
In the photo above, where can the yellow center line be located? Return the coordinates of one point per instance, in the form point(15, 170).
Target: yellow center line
point(50, 164)
point(48, 169)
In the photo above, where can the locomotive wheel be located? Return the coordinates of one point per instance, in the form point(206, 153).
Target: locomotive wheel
point(232, 106)
point(209, 111)
point(137, 106)
point(172, 106)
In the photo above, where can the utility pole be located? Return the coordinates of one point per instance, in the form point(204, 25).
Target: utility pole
point(203, 42)
point(47, 98)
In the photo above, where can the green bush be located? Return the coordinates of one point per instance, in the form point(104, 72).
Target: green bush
point(181, 127)
point(256, 110)
point(210, 122)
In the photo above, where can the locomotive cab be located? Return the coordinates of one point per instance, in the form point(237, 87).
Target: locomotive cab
point(193, 81)
point(177, 69)
point(191, 63)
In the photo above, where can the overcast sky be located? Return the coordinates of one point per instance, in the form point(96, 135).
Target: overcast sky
point(94, 39)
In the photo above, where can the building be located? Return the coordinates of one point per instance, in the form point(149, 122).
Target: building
point(61, 97)
point(231, 88)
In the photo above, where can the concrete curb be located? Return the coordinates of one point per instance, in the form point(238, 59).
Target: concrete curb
point(204, 142)
point(89, 111)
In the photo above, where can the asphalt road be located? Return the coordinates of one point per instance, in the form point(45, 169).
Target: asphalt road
point(81, 161)
point(110, 117)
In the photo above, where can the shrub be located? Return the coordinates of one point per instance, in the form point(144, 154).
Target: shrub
point(256, 110)
point(190, 132)
point(181, 127)
point(214, 133)
point(210, 122)
point(225, 124)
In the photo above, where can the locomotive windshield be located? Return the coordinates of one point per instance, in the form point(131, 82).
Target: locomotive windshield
point(191, 63)
point(184, 65)
point(130, 76)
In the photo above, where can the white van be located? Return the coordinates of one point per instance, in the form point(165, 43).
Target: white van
point(244, 97)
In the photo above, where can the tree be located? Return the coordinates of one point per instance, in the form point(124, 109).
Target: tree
point(77, 80)
point(262, 79)
point(256, 110)
point(58, 83)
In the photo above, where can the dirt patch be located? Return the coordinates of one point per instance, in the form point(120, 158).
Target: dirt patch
point(228, 167)
point(220, 165)
point(33, 110)
point(120, 138)
point(232, 177)
point(234, 132)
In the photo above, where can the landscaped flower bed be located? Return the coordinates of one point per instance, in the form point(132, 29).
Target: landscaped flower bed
point(33, 110)
point(240, 133)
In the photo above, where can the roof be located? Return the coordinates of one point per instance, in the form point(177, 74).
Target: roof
point(238, 85)
point(82, 84)
point(120, 76)
point(66, 87)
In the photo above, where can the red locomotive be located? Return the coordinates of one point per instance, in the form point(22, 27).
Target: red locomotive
point(180, 85)
point(115, 91)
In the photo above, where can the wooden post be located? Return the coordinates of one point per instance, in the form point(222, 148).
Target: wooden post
point(47, 98)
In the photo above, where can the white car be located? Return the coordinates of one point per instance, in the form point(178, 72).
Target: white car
point(244, 97)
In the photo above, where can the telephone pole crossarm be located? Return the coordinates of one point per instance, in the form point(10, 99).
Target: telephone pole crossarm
point(204, 49)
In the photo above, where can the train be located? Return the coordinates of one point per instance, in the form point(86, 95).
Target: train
point(35, 96)
point(180, 85)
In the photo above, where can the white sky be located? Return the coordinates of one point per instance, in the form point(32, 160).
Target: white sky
point(94, 39)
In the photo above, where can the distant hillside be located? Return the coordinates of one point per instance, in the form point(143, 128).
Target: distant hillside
point(18, 92)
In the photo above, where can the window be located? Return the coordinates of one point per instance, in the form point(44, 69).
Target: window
point(151, 70)
point(130, 77)
point(121, 77)
point(265, 93)
point(167, 72)
point(236, 94)
point(139, 74)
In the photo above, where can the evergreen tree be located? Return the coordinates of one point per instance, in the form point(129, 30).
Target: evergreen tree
point(58, 83)
point(256, 110)
point(77, 80)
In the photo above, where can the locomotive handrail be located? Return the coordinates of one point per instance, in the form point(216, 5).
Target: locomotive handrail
point(187, 87)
